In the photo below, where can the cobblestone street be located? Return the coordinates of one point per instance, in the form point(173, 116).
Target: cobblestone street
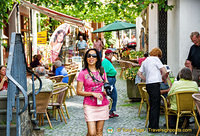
point(128, 122)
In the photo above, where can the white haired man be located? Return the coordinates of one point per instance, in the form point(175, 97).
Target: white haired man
point(47, 84)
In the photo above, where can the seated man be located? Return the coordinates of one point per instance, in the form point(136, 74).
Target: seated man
point(47, 84)
point(60, 70)
point(184, 84)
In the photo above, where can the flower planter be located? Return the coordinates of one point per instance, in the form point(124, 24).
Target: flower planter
point(132, 90)
point(125, 58)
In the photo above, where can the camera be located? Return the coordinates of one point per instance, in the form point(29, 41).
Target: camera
point(107, 88)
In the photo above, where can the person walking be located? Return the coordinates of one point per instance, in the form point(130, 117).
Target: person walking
point(154, 71)
point(81, 46)
point(95, 103)
point(98, 45)
point(193, 60)
point(111, 73)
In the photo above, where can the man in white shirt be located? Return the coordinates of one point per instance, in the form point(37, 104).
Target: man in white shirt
point(125, 41)
point(81, 46)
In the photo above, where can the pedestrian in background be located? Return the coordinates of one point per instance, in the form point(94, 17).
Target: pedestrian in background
point(124, 41)
point(111, 76)
point(95, 103)
point(81, 46)
point(154, 72)
point(98, 45)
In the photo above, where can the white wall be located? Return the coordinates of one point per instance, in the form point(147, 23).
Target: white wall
point(138, 29)
point(173, 36)
point(34, 31)
point(153, 27)
point(182, 20)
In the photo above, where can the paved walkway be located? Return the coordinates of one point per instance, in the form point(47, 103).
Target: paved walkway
point(128, 123)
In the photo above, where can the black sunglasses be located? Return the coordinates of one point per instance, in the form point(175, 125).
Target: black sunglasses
point(92, 55)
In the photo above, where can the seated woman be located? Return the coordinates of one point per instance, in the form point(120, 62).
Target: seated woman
point(3, 80)
point(184, 84)
point(60, 70)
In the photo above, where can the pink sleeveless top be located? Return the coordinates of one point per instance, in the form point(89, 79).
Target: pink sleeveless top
point(92, 86)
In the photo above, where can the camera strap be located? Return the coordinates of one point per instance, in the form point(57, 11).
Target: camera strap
point(92, 76)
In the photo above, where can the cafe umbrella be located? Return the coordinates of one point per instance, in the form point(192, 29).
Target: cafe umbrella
point(115, 26)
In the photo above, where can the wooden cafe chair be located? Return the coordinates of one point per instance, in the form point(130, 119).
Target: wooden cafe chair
point(196, 98)
point(185, 106)
point(57, 105)
point(61, 85)
point(42, 100)
point(56, 79)
point(70, 85)
point(146, 96)
point(140, 85)
point(122, 65)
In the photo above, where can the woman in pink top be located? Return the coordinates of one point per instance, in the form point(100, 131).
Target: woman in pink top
point(95, 102)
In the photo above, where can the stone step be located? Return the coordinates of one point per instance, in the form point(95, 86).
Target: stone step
point(3, 102)
point(12, 130)
point(3, 116)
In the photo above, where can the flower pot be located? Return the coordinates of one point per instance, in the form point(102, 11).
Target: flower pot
point(132, 90)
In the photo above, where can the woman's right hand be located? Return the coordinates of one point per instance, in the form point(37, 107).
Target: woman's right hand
point(5, 78)
point(98, 96)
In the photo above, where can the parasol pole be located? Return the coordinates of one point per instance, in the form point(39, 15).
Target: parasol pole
point(119, 44)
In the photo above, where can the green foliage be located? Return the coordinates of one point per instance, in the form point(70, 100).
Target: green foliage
point(5, 5)
point(134, 54)
point(108, 37)
point(92, 10)
point(4, 45)
point(131, 73)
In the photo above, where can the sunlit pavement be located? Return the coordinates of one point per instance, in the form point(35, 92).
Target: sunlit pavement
point(128, 123)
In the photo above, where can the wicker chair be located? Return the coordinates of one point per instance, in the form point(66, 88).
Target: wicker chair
point(61, 85)
point(196, 98)
point(57, 105)
point(122, 65)
point(42, 100)
point(185, 106)
point(70, 85)
point(140, 85)
point(56, 79)
point(146, 97)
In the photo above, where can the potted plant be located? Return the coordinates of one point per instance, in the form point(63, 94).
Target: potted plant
point(132, 89)
point(125, 54)
point(136, 54)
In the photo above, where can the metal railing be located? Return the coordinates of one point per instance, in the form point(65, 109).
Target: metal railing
point(17, 82)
